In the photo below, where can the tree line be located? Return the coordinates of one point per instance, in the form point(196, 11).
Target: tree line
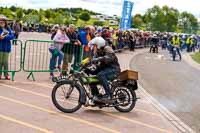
point(49, 16)
point(166, 19)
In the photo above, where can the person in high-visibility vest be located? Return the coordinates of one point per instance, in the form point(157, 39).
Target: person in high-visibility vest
point(115, 37)
point(194, 44)
point(189, 43)
point(176, 43)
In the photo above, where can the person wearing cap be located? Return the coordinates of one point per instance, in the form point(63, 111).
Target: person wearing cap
point(6, 35)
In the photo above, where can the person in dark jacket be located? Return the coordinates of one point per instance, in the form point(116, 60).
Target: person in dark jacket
point(108, 66)
point(17, 30)
point(132, 39)
point(154, 44)
point(6, 35)
point(120, 40)
point(74, 48)
point(54, 31)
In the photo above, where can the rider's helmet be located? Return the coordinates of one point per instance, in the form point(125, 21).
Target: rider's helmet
point(101, 44)
point(154, 35)
point(98, 42)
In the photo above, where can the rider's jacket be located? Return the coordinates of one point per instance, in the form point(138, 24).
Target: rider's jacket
point(107, 59)
point(176, 41)
point(190, 41)
point(154, 41)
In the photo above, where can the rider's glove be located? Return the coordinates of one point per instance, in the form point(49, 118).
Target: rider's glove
point(95, 60)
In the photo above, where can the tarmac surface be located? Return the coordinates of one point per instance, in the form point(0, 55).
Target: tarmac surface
point(175, 85)
point(26, 107)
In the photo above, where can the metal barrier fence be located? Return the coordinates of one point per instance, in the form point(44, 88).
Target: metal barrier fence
point(38, 55)
point(41, 56)
point(11, 61)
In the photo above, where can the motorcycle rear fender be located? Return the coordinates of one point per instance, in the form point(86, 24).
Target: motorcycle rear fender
point(132, 84)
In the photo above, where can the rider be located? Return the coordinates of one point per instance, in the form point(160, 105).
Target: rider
point(154, 43)
point(108, 67)
point(189, 43)
point(176, 42)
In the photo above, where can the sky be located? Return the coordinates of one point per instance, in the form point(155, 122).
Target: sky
point(109, 7)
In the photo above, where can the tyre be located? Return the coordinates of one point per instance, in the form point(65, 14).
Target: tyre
point(126, 99)
point(66, 97)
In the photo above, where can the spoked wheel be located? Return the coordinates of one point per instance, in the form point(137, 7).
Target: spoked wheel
point(66, 97)
point(125, 99)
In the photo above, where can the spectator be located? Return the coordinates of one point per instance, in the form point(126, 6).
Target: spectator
point(17, 30)
point(60, 39)
point(54, 31)
point(137, 40)
point(83, 33)
point(85, 37)
point(132, 41)
point(114, 40)
point(120, 40)
point(74, 48)
point(6, 35)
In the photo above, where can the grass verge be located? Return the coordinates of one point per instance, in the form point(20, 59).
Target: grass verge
point(196, 57)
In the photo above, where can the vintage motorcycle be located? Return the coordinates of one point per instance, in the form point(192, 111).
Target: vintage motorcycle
point(75, 90)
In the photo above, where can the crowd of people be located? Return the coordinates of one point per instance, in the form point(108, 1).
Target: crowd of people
point(74, 42)
point(115, 38)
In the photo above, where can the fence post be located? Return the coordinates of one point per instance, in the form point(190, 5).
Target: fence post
point(31, 75)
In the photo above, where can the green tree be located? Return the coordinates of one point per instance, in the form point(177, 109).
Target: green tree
point(67, 21)
point(13, 8)
point(34, 12)
point(8, 13)
point(155, 19)
point(32, 19)
point(137, 21)
point(171, 16)
point(188, 22)
point(84, 16)
point(98, 23)
point(19, 14)
point(59, 19)
point(28, 11)
point(48, 13)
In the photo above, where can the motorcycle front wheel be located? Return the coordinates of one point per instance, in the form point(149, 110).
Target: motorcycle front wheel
point(66, 97)
point(125, 99)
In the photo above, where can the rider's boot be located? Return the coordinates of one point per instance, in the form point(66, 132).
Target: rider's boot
point(104, 99)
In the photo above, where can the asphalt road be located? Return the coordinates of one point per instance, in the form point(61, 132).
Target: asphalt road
point(26, 106)
point(176, 85)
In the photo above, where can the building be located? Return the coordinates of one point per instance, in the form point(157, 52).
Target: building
point(113, 23)
point(105, 17)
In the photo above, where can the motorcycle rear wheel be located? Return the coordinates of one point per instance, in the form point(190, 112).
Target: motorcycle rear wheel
point(126, 99)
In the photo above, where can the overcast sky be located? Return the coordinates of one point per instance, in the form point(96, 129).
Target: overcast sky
point(108, 7)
